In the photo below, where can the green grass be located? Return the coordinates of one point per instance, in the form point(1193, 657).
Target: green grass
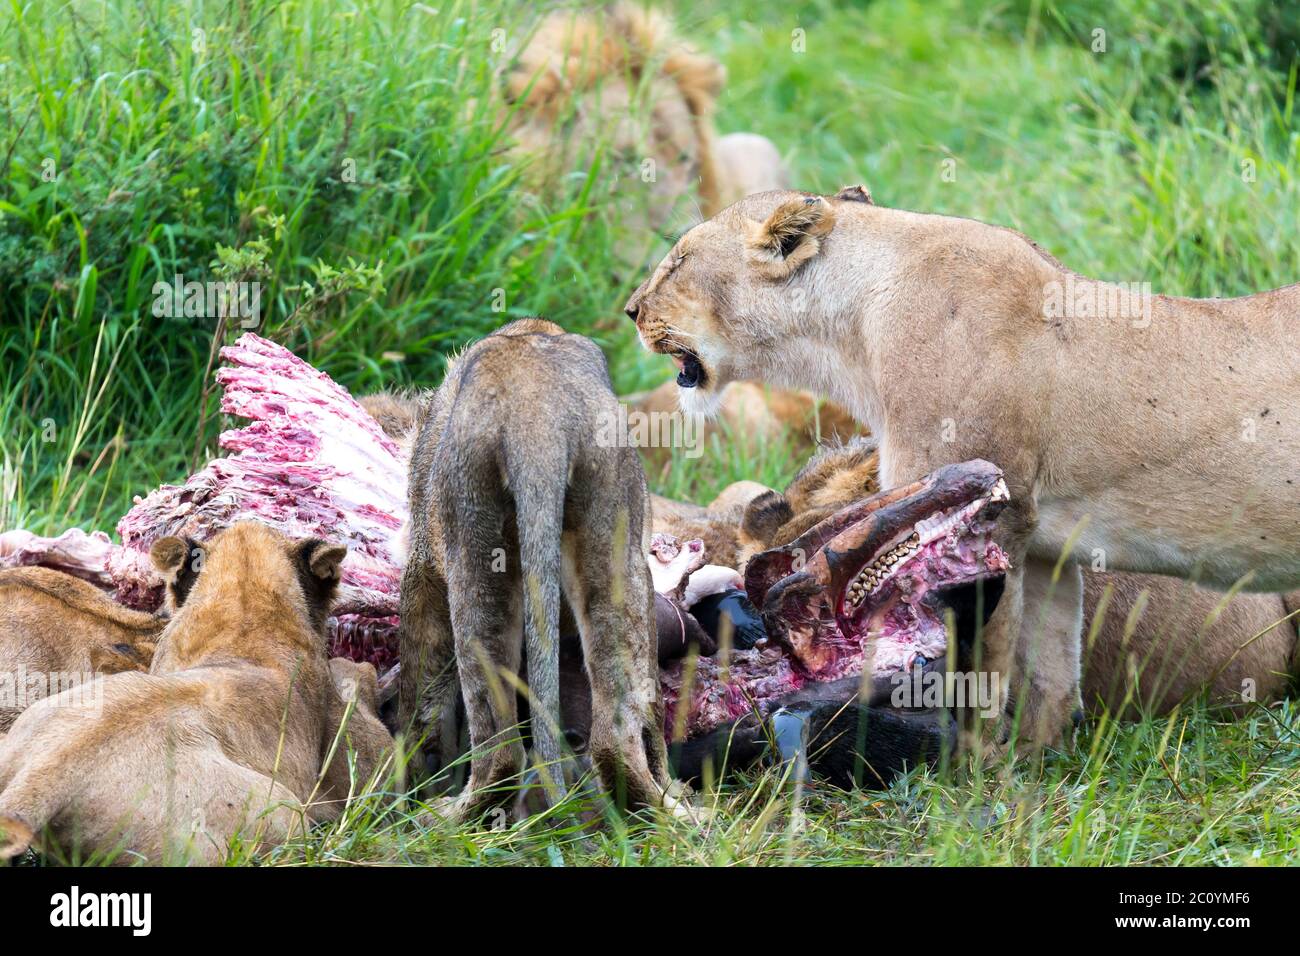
point(1172, 157)
point(1189, 789)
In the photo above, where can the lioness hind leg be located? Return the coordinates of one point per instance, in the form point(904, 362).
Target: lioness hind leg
point(1047, 678)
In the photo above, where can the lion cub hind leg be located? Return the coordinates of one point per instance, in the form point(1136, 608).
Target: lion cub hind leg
point(607, 583)
point(486, 617)
point(429, 688)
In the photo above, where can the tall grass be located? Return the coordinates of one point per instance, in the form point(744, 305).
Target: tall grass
point(314, 142)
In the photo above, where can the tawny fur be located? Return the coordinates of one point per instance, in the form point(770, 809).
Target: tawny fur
point(750, 417)
point(396, 412)
point(61, 631)
point(517, 505)
point(360, 743)
point(225, 736)
point(1161, 436)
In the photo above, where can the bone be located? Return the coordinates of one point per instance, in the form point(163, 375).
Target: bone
point(711, 579)
point(671, 564)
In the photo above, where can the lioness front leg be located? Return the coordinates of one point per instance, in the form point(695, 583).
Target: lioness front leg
point(1045, 693)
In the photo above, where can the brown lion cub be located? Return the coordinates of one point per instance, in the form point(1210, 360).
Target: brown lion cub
point(225, 737)
point(515, 501)
point(57, 631)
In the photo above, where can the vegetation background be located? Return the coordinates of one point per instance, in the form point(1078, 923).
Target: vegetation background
point(350, 157)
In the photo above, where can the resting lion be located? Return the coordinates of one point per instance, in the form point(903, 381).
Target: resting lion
point(57, 632)
point(621, 79)
point(1154, 433)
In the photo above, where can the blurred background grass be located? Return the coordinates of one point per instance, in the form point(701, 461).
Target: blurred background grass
point(317, 140)
point(350, 157)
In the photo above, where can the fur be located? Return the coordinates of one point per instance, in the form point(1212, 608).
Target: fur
point(516, 504)
point(225, 736)
point(945, 336)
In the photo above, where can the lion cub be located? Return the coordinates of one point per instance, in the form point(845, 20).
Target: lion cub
point(58, 631)
point(515, 502)
point(224, 737)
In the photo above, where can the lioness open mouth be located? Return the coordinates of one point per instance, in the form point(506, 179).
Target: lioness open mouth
point(690, 372)
point(861, 596)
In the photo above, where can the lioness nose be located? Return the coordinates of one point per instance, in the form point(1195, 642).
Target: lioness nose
point(632, 311)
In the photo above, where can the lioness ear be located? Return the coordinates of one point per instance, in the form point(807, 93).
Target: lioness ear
point(855, 194)
point(790, 236)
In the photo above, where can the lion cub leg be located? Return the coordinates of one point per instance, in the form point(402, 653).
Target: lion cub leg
point(487, 621)
point(611, 599)
point(428, 687)
point(1047, 677)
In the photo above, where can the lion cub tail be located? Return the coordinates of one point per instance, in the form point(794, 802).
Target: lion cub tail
point(539, 486)
point(15, 837)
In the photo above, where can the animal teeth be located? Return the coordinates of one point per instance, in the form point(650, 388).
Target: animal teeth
point(872, 576)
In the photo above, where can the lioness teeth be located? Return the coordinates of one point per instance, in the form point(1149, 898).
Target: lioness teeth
point(874, 575)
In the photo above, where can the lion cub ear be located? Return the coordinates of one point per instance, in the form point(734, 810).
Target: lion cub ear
point(168, 554)
point(318, 573)
point(323, 559)
point(790, 236)
point(179, 561)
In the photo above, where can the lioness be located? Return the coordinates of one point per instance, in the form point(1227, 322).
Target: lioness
point(516, 504)
point(1165, 440)
point(226, 736)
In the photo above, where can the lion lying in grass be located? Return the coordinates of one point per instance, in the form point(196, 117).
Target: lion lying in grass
point(57, 631)
point(622, 78)
point(225, 737)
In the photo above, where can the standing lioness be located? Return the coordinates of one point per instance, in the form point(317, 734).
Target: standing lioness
point(1159, 434)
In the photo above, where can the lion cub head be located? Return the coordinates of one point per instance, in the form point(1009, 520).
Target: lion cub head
point(243, 585)
point(740, 295)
